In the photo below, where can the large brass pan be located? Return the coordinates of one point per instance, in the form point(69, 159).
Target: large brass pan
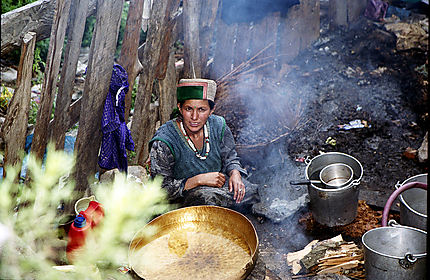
point(199, 242)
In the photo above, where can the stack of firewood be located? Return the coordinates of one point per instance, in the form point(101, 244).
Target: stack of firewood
point(346, 259)
point(328, 256)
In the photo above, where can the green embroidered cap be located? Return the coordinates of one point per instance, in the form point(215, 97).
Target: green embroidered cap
point(196, 89)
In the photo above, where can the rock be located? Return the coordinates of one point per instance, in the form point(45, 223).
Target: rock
point(136, 173)
point(423, 150)
point(81, 68)
point(8, 75)
point(109, 175)
point(277, 210)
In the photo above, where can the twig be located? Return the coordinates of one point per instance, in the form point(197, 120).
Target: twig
point(302, 276)
point(242, 65)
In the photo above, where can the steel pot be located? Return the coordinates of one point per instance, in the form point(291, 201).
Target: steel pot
point(333, 207)
point(336, 175)
point(395, 252)
point(413, 203)
point(198, 242)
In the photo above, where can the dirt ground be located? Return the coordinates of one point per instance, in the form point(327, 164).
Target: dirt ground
point(350, 75)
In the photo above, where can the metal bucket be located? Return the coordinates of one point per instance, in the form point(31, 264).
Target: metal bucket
point(413, 206)
point(333, 207)
point(395, 252)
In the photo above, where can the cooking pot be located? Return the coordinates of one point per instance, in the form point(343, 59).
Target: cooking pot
point(413, 203)
point(395, 252)
point(333, 206)
point(198, 242)
point(336, 175)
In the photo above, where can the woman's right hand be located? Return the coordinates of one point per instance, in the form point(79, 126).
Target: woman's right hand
point(211, 179)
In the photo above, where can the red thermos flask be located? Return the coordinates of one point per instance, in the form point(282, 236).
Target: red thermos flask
point(77, 233)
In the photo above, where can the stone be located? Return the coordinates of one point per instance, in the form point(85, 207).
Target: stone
point(8, 75)
point(137, 173)
point(423, 150)
point(109, 175)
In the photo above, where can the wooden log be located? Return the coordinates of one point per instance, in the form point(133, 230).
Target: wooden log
point(130, 43)
point(355, 10)
point(141, 129)
point(166, 44)
point(242, 48)
point(208, 14)
point(338, 13)
point(35, 17)
point(100, 63)
point(309, 22)
point(167, 89)
point(191, 20)
point(224, 49)
point(49, 86)
point(14, 128)
point(68, 72)
point(290, 35)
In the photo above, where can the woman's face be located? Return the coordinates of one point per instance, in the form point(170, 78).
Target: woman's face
point(195, 113)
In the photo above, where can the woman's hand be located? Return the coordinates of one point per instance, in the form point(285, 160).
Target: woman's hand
point(211, 179)
point(235, 184)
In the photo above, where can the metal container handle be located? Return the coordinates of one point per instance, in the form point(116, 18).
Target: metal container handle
point(307, 160)
point(409, 258)
point(355, 183)
point(398, 185)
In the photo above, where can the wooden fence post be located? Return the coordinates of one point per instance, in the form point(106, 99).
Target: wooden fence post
point(14, 128)
point(68, 72)
point(208, 15)
point(191, 21)
point(142, 127)
point(49, 87)
point(130, 43)
point(99, 72)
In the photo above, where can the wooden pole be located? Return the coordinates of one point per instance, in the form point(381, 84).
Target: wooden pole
point(35, 17)
point(191, 20)
point(49, 86)
point(14, 128)
point(142, 128)
point(68, 72)
point(130, 43)
point(99, 72)
point(209, 9)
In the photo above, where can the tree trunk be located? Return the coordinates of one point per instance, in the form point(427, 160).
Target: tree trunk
point(167, 89)
point(208, 15)
point(49, 88)
point(14, 128)
point(130, 43)
point(68, 72)
point(100, 64)
point(141, 129)
point(191, 21)
point(36, 17)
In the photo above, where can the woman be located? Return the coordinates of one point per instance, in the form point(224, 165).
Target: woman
point(195, 153)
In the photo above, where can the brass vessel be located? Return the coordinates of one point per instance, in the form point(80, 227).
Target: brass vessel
point(198, 242)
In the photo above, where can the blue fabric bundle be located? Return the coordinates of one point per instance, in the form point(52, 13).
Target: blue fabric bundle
point(116, 135)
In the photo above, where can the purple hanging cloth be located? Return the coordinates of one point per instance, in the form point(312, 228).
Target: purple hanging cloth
point(116, 135)
point(376, 9)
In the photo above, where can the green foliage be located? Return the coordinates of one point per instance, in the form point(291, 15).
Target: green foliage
point(34, 106)
point(5, 98)
point(39, 63)
point(122, 28)
point(29, 215)
point(88, 32)
point(9, 5)
point(134, 92)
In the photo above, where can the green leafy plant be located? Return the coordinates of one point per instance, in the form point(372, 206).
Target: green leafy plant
point(30, 247)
